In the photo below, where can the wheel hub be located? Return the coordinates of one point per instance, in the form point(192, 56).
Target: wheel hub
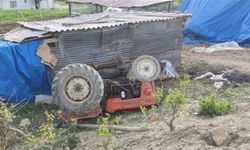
point(77, 89)
point(146, 68)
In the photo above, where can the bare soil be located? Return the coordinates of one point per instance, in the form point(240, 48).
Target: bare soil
point(238, 60)
point(190, 133)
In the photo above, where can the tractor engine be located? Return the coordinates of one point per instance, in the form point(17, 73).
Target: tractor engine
point(122, 88)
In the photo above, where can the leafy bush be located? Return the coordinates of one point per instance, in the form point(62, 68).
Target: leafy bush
point(213, 106)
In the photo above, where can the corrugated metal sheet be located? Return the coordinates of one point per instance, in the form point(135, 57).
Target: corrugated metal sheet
point(121, 3)
point(123, 44)
point(98, 21)
point(19, 34)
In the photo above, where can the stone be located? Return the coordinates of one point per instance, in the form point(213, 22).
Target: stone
point(25, 123)
point(220, 136)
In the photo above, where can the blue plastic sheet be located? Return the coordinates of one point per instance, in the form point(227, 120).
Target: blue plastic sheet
point(22, 75)
point(215, 21)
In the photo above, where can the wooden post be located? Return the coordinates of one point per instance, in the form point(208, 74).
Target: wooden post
point(70, 9)
point(101, 8)
point(96, 8)
point(169, 6)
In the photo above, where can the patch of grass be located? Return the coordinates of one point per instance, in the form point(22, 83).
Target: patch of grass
point(196, 68)
point(11, 16)
point(61, 3)
point(35, 112)
point(197, 89)
point(237, 94)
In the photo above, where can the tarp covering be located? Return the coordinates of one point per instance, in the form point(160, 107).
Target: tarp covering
point(22, 75)
point(215, 21)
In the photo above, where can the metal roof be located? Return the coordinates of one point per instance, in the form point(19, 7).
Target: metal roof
point(120, 3)
point(98, 21)
point(19, 34)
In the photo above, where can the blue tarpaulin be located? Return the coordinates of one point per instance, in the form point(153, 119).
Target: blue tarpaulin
point(215, 21)
point(22, 75)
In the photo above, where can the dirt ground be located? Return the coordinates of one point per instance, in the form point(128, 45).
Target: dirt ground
point(190, 134)
point(191, 128)
point(239, 60)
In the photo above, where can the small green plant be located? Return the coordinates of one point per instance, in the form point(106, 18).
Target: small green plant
point(213, 106)
point(150, 114)
point(104, 131)
point(9, 136)
point(116, 120)
point(174, 102)
point(184, 83)
point(47, 136)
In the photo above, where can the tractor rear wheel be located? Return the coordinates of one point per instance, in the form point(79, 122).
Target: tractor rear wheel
point(77, 88)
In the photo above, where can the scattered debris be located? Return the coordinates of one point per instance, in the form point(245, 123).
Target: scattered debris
point(44, 99)
point(219, 80)
point(212, 77)
point(218, 85)
point(226, 46)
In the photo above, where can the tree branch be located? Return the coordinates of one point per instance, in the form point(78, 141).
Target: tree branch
point(16, 130)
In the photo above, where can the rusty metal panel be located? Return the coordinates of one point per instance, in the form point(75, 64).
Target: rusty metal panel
point(121, 3)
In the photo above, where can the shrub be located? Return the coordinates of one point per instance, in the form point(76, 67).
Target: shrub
point(46, 136)
point(213, 106)
point(170, 104)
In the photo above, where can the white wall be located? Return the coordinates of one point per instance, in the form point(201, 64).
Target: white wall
point(20, 4)
point(1, 4)
point(44, 4)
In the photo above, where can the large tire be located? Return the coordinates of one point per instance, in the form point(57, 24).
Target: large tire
point(146, 68)
point(77, 88)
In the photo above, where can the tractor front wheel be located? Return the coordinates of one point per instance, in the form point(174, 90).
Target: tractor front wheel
point(77, 88)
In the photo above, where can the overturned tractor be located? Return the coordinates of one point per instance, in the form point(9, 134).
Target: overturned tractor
point(106, 56)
